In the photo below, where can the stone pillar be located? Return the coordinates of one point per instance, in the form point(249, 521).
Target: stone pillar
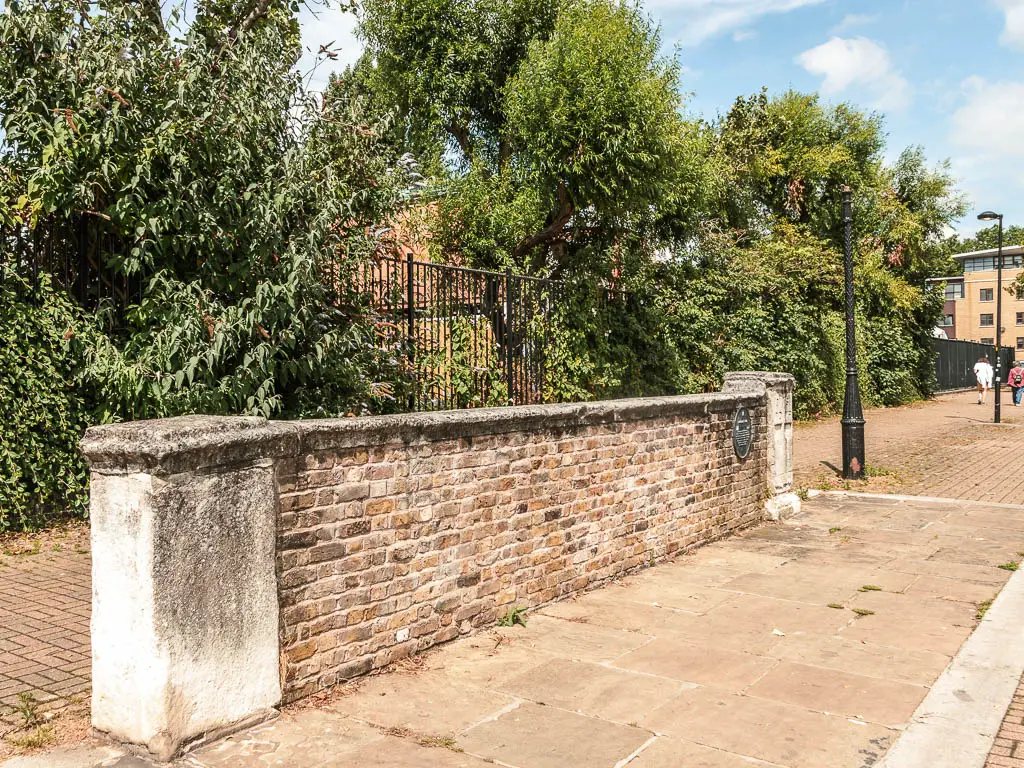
point(185, 611)
point(777, 388)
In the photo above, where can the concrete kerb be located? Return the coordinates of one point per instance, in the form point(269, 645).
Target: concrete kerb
point(814, 493)
point(957, 723)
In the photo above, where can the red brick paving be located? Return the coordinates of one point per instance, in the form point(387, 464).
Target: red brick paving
point(1008, 750)
point(44, 625)
point(947, 448)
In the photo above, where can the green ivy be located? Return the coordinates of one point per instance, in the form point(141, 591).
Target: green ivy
point(43, 410)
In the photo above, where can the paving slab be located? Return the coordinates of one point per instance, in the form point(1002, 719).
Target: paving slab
point(839, 692)
point(429, 703)
point(81, 756)
point(665, 752)
point(779, 733)
point(532, 736)
point(880, 661)
point(615, 695)
point(962, 719)
point(703, 664)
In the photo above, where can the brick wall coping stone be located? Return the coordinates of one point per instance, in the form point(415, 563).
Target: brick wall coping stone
point(188, 443)
point(185, 443)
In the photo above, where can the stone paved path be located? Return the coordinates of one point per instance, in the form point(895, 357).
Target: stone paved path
point(806, 644)
point(1008, 750)
point(947, 448)
point(45, 597)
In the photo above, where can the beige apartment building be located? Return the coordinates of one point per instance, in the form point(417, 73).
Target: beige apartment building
point(970, 309)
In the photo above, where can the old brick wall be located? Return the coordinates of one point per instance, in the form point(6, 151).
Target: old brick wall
point(396, 533)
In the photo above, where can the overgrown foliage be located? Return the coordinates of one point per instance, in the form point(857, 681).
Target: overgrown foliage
point(42, 412)
point(228, 185)
point(237, 199)
point(568, 154)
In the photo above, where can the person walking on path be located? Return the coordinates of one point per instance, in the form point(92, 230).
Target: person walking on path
point(1016, 381)
point(983, 372)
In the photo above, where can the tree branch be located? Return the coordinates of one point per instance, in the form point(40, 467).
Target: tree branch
point(552, 231)
point(260, 10)
point(460, 133)
point(151, 10)
point(504, 154)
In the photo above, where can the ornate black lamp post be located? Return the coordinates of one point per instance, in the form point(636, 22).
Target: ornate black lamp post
point(853, 415)
point(992, 216)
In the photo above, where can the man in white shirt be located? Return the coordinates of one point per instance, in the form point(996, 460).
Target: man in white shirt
point(983, 373)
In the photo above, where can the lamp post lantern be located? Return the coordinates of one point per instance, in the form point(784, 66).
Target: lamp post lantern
point(853, 415)
point(993, 216)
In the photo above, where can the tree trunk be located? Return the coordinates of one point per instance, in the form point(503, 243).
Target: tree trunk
point(553, 231)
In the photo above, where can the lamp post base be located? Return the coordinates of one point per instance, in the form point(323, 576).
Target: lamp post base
point(853, 449)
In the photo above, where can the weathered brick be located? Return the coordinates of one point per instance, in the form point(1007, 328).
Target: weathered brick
point(428, 540)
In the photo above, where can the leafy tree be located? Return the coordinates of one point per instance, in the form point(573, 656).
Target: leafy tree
point(234, 195)
point(788, 159)
point(555, 127)
point(988, 237)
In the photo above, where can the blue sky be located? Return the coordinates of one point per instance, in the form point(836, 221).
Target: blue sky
point(947, 74)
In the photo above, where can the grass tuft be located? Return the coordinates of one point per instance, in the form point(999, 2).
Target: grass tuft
point(442, 742)
point(983, 609)
point(37, 738)
point(514, 616)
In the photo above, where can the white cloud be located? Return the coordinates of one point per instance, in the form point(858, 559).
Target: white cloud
point(332, 27)
point(988, 134)
point(704, 19)
point(991, 121)
point(857, 62)
point(1013, 32)
point(742, 35)
point(854, 20)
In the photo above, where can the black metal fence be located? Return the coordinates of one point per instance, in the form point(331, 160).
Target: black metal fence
point(467, 337)
point(471, 337)
point(75, 254)
point(955, 359)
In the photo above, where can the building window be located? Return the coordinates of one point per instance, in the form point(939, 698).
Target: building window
point(987, 321)
point(1020, 318)
point(1020, 343)
point(988, 263)
point(987, 340)
point(954, 291)
point(947, 321)
point(986, 294)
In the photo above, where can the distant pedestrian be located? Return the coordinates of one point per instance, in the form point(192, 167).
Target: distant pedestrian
point(1016, 381)
point(983, 372)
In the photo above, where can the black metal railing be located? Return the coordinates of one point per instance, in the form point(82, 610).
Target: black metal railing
point(75, 253)
point(471, 337)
